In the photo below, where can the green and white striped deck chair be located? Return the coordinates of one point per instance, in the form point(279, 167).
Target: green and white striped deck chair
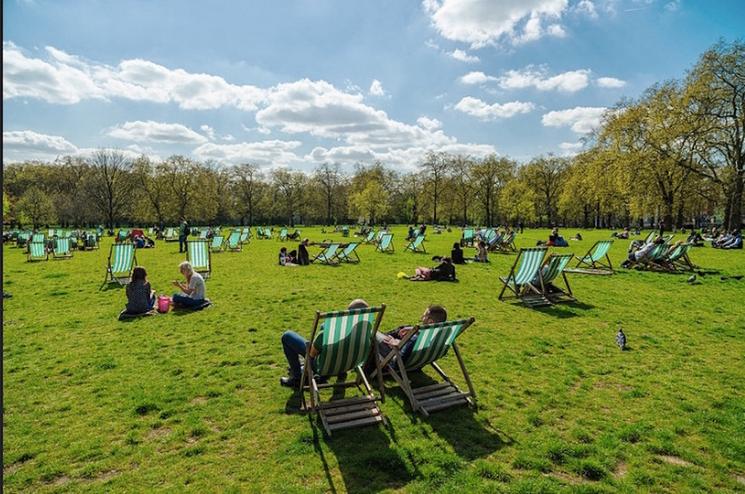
point(507, 242)
point(525, 269)
point(122, 235)
point(259, 232)
point(328, 255)
point(62, 248)
point(203, 234)
point(417, 245)
point(379, 235)
point(431, 344)
point(91, 241)
point(234, 242)
point(244, 237)
point(218, 243)
point(467, 238)
point(37, 251)
point(370, 237)
point(198, 254)
point(489, 234)
point(170, 235)
point(267, 233)
point(345, 341)
point(349, 253)
point(282, 235)
point(386, 243)
point(678, 258)
point(650, 237)
point(592, 262)
point(50, 233)
point(23, 239)
point(121, 261)
point(38, 238)
point(554, 268)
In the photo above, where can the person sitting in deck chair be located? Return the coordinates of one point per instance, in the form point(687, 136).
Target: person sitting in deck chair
point(295, 346)
point(638, 251)
point(193, 292)
point(140, 296)
point(386, 341)
point(445, 271)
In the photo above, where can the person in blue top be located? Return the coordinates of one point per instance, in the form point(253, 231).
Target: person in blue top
point(386, 341)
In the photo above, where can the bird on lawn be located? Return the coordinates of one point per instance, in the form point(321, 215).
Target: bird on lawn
point(621, 339)
point(692, 279)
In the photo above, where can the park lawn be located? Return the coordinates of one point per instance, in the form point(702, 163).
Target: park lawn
point(192, 402)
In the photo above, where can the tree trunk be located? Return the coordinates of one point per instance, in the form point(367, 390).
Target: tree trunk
point(735, 212)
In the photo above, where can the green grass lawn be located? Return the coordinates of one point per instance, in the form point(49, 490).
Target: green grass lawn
point(192, 401)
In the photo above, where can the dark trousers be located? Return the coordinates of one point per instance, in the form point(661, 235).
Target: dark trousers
point(185, 301)
point(182, 243)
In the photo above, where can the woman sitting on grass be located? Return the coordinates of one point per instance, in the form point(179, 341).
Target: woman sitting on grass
point(457, 254)
point(445, 271)
point(193, 293)
point(286, 259)
point(140, 296)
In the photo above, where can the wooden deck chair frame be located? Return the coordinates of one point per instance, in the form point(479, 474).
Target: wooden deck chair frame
point(234, 246)
point(37, 251)
point(414, 245)
point(587, 264)
point(345, 256)
point(348, 412)
point(523, 286)
point(62, 254)
point(206, 273)
point(388, 248)
point(111, 275)
point(329, 255)
point(433, 397)
point(557, 272)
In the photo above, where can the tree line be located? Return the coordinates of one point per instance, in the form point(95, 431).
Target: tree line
point(676, 155)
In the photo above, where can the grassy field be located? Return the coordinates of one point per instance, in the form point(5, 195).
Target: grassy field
point(191, 402)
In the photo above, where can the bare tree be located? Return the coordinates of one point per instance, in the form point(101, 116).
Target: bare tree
point(248, 183)
point(435, 168)
point(109, 184)
point(328, 177)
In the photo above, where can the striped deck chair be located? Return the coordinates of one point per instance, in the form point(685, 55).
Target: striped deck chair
point(247, 231)
point(50, 233)
point(349, 253)
point(431, 344)
point(244, 237)
point(170, 235)
point(379, 235)
point(234, 242)
point(507, 242)
point(62, 249)
point(282, 235)
point(494, 243)
point(520, 280)
point(656, 258)
point(386, 244)
point(23, 239)
point(218, 243)
point(345, 231)
point(370, 237)
point(198, 254)
point(121, 260)
point(203, 234)
point(91, 241)
point(122, 235)
point(417, 245)
point(38, 238)
point(678, 259)
point(259, 232)
point(650, 237)
point(328, 255)
point(267, 233)
point(591, 263)
point(553, 269)
point(344, 340)
point(37, 251)
point(467, 238)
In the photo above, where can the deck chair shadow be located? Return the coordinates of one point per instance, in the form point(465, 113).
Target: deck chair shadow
point(199, 255)
point(431, 343)
point(417, 245)
point(122, 259)
point(521, 279)
point(328, 255)
point(386, 244)
point(346, 341)
point(596, 261)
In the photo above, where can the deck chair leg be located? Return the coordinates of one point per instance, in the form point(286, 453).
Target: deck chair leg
point(405, 383)
point(462, 365)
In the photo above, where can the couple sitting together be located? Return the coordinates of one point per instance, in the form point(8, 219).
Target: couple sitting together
point(295, 346)
point(141, 297)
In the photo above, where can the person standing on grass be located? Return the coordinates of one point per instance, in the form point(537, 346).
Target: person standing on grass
point(183, 234)
point(193, 292)
point(303, 258)
point(295, 346)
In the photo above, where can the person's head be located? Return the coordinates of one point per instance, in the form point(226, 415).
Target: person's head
point(358, 303)
point(434, 314)
point(555, 230)
point(139, 274)
point(447, 260)
point(456, 246)
point(482, 243)
point(283, 250)
point(305, 241)
point(186, 269)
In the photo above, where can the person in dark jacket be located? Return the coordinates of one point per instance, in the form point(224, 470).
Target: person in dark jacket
point(457, 254)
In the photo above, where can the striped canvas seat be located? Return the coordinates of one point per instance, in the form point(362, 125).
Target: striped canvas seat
point(217, 244)
point(38, 238)
point(467, 238)
point(678, 259)
point(328, 255)
point(551, 273)
point(417, 245)
point(524, 271)
point(508, 242)
point(283, 234)
point(37, 251)
point(431, 343)
point(234, 241)
point(386, 243)
point(596, 261)
point(349, 253)
point(370, 237)
point(62, 248)
point(120, 264)
point(346, 341)
point(244, 237)
point(198, 254)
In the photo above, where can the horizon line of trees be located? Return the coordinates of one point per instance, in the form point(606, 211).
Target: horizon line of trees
point(675, 155)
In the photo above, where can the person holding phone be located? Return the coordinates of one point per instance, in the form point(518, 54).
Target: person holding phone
point(193, 293)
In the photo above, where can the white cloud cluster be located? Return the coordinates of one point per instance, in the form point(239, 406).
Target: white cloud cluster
point(537, 77)
point(19, 145)
point(149, 131)
point(610, 82)
point(463, 56)
point(263, 153)
point(376, 88)
point(484, 111)
point(476, 77)
point(581, 119)
point(428, 123)
point(482, 22)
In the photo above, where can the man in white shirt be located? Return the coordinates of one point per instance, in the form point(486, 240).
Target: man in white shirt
point(193, 292)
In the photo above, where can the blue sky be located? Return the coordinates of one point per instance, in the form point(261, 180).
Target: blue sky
point(298, 83)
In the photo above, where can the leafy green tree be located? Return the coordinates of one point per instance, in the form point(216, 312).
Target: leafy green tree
point(371, 203)
point(517, 201)
point(36, 207)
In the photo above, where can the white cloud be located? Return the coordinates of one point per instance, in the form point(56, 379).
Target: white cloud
point(484, 111)
point(476, 78)
point(581, 119)
point(610, 82)
point(376, 88)
point(263, 153)
point(586, 7)
point(428, 123)
point(150, 131)
point(228, 138)
point(672, 6)
point(537, 77)
point(208, 131)
point(482, 22)
point(570, 148)
point(463, 56)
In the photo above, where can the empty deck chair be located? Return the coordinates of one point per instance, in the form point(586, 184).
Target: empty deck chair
point(198, 254)
point(121, 261)
point(417, 245)
point(282, 235)
point(349, 253)
point(91, 241)
point(592, 262)
point(38, 238)
point(244, 237)
point(328, 255)
point(170, 235)
point(386, 243)
point(432, 343)
point(218, 243)
point(467, 237)
point(553, 269)
point(522, 275)
point(347, 340)
point(37, 251)
point(234, 242)
point(62, 249)
point(370, 237)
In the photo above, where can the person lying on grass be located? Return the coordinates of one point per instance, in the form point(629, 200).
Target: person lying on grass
point(445, 271)
point(140, 296)
point(295, 346)
point(386, 341)
point(193, 292)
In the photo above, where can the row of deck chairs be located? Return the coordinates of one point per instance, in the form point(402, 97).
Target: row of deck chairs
point(666, 258)
point(536, 285)
point(384, 242)
point(495, 240)
point(335, 254)
point(348, 342)
point(38, 248)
